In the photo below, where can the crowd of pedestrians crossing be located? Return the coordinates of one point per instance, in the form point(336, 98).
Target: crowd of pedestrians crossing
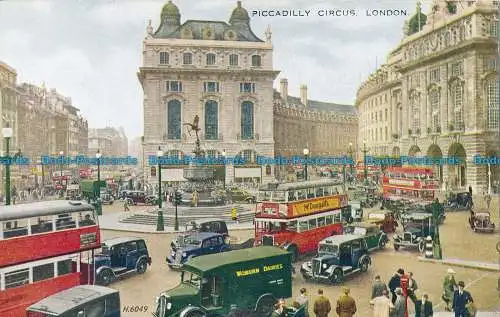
point(390, 300)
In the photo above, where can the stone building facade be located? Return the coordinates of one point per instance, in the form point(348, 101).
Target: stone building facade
point(50, 125)
point(8, 112)
point(222, 73)
point(438, 93)
point(111, 142)
point(325, 129)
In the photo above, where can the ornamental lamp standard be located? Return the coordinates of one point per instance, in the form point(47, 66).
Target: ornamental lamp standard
point(7, 134)
point(98, 194)
point(61, 154)
point(160, 224)
point(306, 155)
point(364, 162)
point(344, 176)
point(224, 162)
point(351, 156)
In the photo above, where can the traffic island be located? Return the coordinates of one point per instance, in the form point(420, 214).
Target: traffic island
point(485, 266)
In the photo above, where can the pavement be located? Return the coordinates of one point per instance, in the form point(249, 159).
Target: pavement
point(479, 314)
point(112, 222)
point(485, 266)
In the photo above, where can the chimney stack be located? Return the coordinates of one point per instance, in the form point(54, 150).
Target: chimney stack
point(303, 94)
point(284, 88)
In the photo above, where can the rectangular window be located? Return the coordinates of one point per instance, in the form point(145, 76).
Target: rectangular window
point(233, 60)
point(65, 221)
point(256, 60)
point(434, 74)
point(312, 223)
point(490, 64)
point(385, 114)
point(247, 88)
point(187, 59)
point(457, 69)
point(15, 228)
point(41, 224)
point(303, 226)
point(64, 267)
point(493, 101)
point(493, 28)
point(17, 278)
point(95, 309)
point(86, 219)
point(164, 58)
point(43, 272)
point(211, 86)
point(329, 220)
point(211, 59)
point(337, 218)
point(174, 86)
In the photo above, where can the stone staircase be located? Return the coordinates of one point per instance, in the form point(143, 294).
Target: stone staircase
point(188, 214)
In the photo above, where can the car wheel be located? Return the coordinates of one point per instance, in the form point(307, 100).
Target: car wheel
point(142, 266)
point(421, 246)
point(265, 305)
point(382, 243)
point(105, 278)
point(364, 265)
point(336, 276)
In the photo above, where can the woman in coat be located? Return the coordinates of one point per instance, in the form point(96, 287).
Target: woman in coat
point(382, 305)
point(449, 287)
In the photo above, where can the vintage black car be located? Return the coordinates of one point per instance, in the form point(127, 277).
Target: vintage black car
point(338, 257)
point(238, 195)
point(459, 201)
point(214, 226)
point(416, 227)
point(426, 208)
point(374, 237)
point(353, 212)
point(480, 221)
point(119, 256)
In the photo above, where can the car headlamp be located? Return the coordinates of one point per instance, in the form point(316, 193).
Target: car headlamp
point(324, 265)
point(169, 306)
point(157, 299)
point(184, 254)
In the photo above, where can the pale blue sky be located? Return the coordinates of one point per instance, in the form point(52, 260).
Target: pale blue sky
point(90, 50)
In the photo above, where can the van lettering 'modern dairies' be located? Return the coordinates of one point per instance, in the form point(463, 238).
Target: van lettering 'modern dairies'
point(273, 267)
point(247, 272)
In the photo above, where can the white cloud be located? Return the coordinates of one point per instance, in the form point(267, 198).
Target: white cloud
point(120, 13)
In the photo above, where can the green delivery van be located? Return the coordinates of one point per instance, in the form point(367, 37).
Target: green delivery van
point(214, 285)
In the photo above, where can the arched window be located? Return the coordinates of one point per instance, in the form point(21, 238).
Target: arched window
point(247, 119)
point(211, 120)
point(435, 117)
point(174, 119)
point(415, 114)
point(492, 100)
point(458, 109)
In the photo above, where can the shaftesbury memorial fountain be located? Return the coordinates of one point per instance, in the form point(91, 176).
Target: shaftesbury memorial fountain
point(199, 190)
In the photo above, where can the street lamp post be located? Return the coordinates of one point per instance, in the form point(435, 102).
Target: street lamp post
point(352, 159)
point(98, 198)
point(364, 162)
point(344, 176)
point(7, 134)
point(160, 224)
point(61, 154)
point(306, 155)
point(224, 159)
point(489, 178)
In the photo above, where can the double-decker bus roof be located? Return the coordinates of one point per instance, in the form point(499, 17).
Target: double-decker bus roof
point(303, 185)
point(66, 300)
point(410, 169)
point(44, 208)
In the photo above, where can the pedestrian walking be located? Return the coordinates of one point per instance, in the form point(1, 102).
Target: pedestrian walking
point(394, 283)
point(279, 309)
point(322, 306)
point(449, 287)
point(378, 287)
point(487, 199)
point(470, 190)
point(382, 305)
point(412, 287)
point(346, 305)
point(400, 304)
point(423, 307)
point(461, 301)
point(125, 205)
point(302, 300)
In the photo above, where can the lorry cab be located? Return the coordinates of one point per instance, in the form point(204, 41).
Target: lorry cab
point(218, 284)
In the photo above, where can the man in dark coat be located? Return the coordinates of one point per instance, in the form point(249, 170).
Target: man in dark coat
point(423, 308)
point(461, 298)
point(394, 283)
point(322, 306)
point(378, 287)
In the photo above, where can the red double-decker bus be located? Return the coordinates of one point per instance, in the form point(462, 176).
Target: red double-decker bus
point(296, 216)
point(46, 247)
point(409, 183)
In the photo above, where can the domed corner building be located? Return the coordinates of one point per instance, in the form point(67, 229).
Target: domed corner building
point(221, 72)
point(437, 95)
